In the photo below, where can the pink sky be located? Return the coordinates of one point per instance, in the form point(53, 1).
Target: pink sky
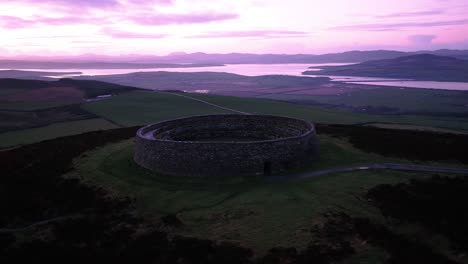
point(116, 27)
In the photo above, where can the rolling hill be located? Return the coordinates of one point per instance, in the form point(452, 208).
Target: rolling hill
point(28, 104)
point(425, 67)
point(95, 60)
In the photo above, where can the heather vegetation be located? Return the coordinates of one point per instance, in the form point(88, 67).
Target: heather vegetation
point(52, 213)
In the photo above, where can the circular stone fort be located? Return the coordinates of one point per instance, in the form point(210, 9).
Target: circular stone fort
point(226, 145)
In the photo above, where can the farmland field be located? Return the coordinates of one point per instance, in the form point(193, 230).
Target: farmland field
point(332, 116)
point(390, 100)
point(138, 108)
point(32, 135)
point(143, 107)
point(63, 102)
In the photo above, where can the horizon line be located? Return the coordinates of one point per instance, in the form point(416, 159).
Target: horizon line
point(228, 53)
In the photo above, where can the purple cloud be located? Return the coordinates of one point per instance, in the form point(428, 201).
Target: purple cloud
point(252, 33)
point(421, 39)
point(396, 26)
point(147, 2)
point(193, 18)
point(89, 42)
point(413, 14)
point(98, 4)
point(114, 33)
point(16, 22)
point(151, 20)
point(57, 21)
point(71, 3)
point(13, 22)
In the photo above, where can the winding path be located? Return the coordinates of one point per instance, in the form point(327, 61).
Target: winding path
point(383, 166)
point(208, 103)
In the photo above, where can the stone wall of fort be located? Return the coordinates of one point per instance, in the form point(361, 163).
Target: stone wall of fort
point(226, 145)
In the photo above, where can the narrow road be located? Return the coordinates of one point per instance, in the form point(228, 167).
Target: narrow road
point(383, 166)
point(207, 103)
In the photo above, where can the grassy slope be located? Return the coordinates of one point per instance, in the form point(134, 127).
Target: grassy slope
point(32, 135)
point(404, 100)
point(138, 108)
point(320, 115)
point(27, 98)
point(128, 109)
point(7, 91)
point(32, 110)
point(35, 105)
point(261, 106)
point(414, 127)
point(419, 67)
point(258, 214)
point(145, 107)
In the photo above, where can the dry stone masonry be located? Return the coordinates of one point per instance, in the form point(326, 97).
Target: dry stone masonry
point(226, 145)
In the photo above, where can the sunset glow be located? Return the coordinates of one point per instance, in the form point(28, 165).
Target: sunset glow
point(117, 27)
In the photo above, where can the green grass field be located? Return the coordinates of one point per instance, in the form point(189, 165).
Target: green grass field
point(32, 135)
point(247, 210)
point(262, 106)
point(30, 103)
point(146, 107)
point(332, 116)
point(414, 100)
point(138, 108)
point(415, 127)
point(35, 105)
point(143, 107)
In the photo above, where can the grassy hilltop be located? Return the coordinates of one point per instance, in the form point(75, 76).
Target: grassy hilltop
point(424, 67)
point(82, 195)
point(109, 206)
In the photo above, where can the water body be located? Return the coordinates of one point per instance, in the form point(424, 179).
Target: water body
point(403, 83)
point(241, 69)
point(279, 69)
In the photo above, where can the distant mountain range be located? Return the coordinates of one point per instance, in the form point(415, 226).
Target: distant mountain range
point(349, 56)
point(425, 67)
point(31, 64)
point(200, 59)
